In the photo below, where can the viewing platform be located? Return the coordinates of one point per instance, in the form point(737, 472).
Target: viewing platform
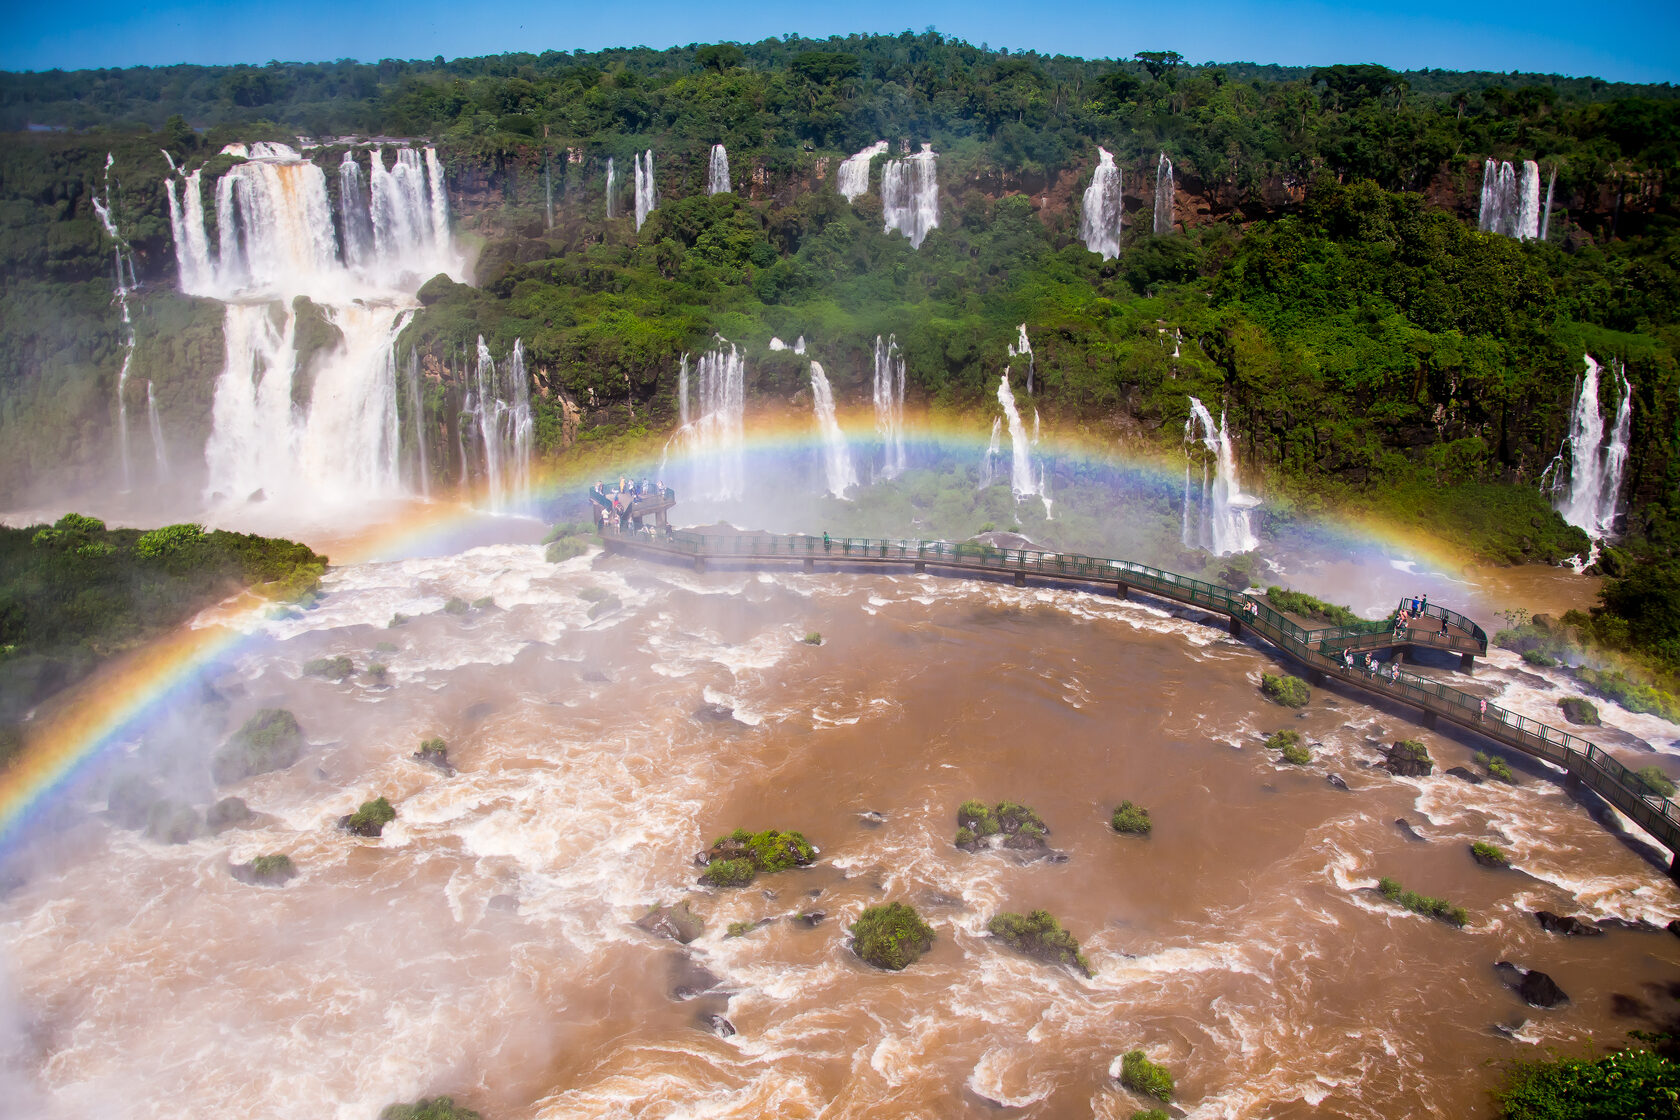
point(1323, 652)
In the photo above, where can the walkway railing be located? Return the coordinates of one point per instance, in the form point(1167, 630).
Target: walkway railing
point(1319, 649)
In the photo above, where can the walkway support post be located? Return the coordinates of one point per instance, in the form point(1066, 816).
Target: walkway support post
point(1467, 662)
point(921, 565)
point(1236, 627)
point(1020, 579)
point(810, 564)
point(1123, 589)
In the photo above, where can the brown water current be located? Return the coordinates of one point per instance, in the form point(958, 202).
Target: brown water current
point(485, 947)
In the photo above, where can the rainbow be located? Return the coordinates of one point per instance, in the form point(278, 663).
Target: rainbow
point(94, 718)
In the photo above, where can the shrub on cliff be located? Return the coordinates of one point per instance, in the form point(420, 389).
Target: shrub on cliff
point(891, 936)
point(1040, 935)
point(1291, 692)
point(429, 1108)
point(1655, 780)
point(1629, 1083)
point(269, 740)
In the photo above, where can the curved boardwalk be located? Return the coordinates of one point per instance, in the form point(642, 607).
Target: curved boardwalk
point(1320, 651)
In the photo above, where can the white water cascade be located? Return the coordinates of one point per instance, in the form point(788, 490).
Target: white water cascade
point(1589, 498)
point(1546, 215)
point(889, 405)
point(1511, 205)
point(837, 459)
point(988, 470)
point(1022, 348)
point(1099, 218)
point(1221, 521)
point(1163, 195)
point(326, 433)
point(717, 175)
point(910, 195)
point(124, 283)
point(612, 189)
point(500, 404)
point(682, 390)
point(160, 456)
point(422, 468)
point(1021, 474)
point(714, 441)
point(852, 178)
point(646, 198)
point(1528, 202)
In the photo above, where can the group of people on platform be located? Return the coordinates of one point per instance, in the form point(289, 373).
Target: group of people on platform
point(1414, 608)
point(620, 504)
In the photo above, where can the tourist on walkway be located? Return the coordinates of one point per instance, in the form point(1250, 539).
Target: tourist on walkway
point(1482, 714)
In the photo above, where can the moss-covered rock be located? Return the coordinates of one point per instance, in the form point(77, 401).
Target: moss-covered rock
point(229, 812)
point(331, 668)
point(1291, 692)
point(1489, 855)
point(1656, 780)
point(429, 1108)
point(1039, 935)
point(1019, 825)
point(170, 822)
point(1288, 743)
point(733, 860)
point(370, 820)
point(678, 922)
point(1131, 820)
point(434, 752)
point(891, 936)
point(1422, 903)
point(1409, 758)
point(1579, 710)
point(1141, 1075)
point(272, 870)
point(270, 740)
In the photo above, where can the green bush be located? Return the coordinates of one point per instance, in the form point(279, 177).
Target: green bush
point(269, 865)
point(1040, 935)
point(1501, 769)
point(1289, 744)
point(812, 639)
point(269, 740)
point(1291, 692)
point(379, 674)
point(891, 936)
point(398, 619)
point(1489, 853)
point(729, 872)
point(740, 929)
point(1421, 903)
point(1633, 696)
point(270, 870)
point(1411, 749)
point(1130, 819)
point(1535, 657)
point(371, 818)
point(593, 594)
point(457, 605)
point(484, 602)
point(1628, 1084)
point(1304, 605)
point(977, 819)
point(432, 1108)
point(332, 668)
point(1579, 710)
point(1151, 1114)
point(434, 748)
point(1655, 780)
point(1141, 1075)
point(565, 549)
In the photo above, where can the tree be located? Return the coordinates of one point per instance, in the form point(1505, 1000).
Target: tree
point(719, 56)
point(1159, 62)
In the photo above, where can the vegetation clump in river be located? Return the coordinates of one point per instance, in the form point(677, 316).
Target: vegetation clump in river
point(270, 740)
point(1141, 1075)
point(1291, 692)
point(567, 540)
point(891, 936)
point(370, 820)
point(270, 870)
point(1628, 1083)
point(1577, 709)
point(1422, 903)
point(1288, 743)
point(429, 1108)
point(734, 860)
point(1496, 767)
point(1018, 824)
point(332, 668)
point(1039, 934)
point(1489, 855)
point(1409, 758)
point(1132, 820)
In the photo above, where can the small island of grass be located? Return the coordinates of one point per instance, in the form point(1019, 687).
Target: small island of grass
point(1421, 903)
point(370, 820)
point(429, 1108)
point(1288, 744)
point(891, 936)
point(331, 668)
point(735, 860)
point(269, 740)
point(1132, 820)
point(1018, 824)
point(272, 870)
point(1141, 1075)
point(1291, 692)
point(1038, 934)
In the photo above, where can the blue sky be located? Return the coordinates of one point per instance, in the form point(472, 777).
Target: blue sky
point(1632, 40)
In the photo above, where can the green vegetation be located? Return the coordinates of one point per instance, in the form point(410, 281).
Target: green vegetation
point(1656, 780)
point(378, 674)
point(1541, 660)
point(1130, 819)
point(891, 936)
point(229, 812)
point(434, 750)
point(1495, 766)
point(1291, 692)
point(332, 668)
point(1579, 710)
point(1305, 606)
point(729, 873)
point(1635, 697)
point(1016, 822)
point(567, 540)
point(734, 860)
point(1040, 935)
point(1141, 1075)
point(270, 870)
point(270, 740)
point(1151, 1114)
point(456, 605)
point(1422, 904)
point(1289, 743)
point(370, 820)
point(812, 638)
point(484, 602)
point(74, 593)
point(1628, 1083)
point(604, 606)
point(740, 929)
point(397, 620)
point(1489, 854)
point(429, 1108)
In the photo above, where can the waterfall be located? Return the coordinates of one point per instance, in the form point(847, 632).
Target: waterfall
point(328, 432)
point(612, 188)
point(889, 405)
point(1222, 522)
point(1488, 215)
point(1163, 195)
point(501, 405)
point(1596, 462)
point(1021, 479)
point(548, 191)
point(713, 441)
point(1099, 219)
point(1546, 217)
point(717, 177)
point(160, 457)
point(988, 472)
point(682, 389)
point(837, 460)
point(646, 199)
point(852, 179)
point(1022, 347)
point(910, 195)
point(417, 410)
point(123, 283)
point(1528, 204)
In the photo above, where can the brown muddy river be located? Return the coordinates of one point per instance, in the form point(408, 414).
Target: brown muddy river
point(485, 947)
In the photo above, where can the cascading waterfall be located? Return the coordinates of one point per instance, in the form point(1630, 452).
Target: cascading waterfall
point(837, 459)
point(1099, 219)
point(682, 388)
point(328, 432)
point(646, 199)
point(1021, 473)
point(500, 405)
point(852, 178)
point(714, 441)
point(1022, 347)
point(910, 195)
point(717, 175)
point(1221, 524)
point(160, 455)
point(889, 405)
point(1589, 498)
point(988, 472)
point(1546, 216)
point(416, 410)
point(1163, 195)
point(124, 283)
point(1528, 202)
point(612, 189)
point(1510, 205)
point(548, 190)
